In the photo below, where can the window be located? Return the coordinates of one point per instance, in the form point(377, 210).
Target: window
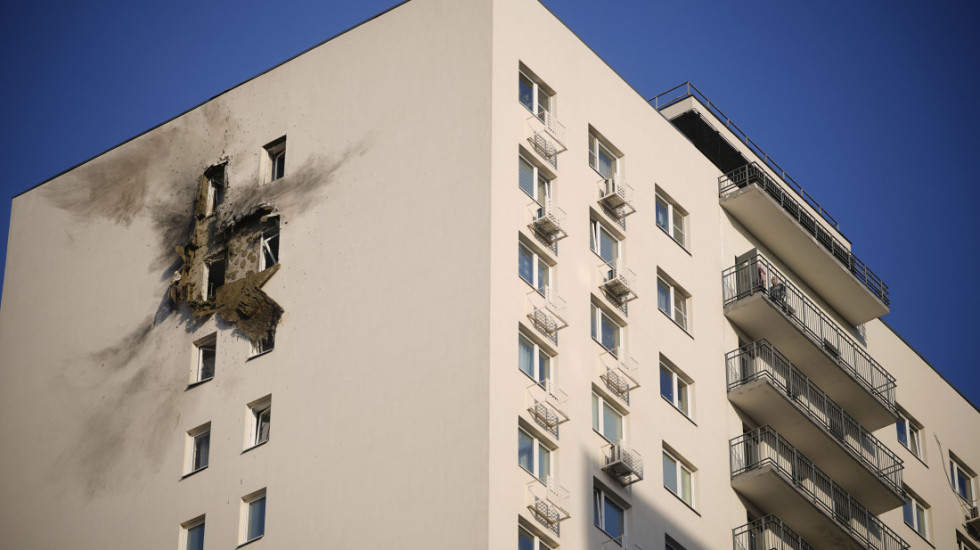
point(260, 418)
point(962, 480)
point(264, 345)
point(909, 434)
point(606, 420)
point(671, 544)
point(673, 387)
point(276, 159)
point(671, 218)
point(678, 478)
point(605, 331)
point(533, 95)
point(672, 300)
point(192, 534)
point(533, 360)
point(253, 511)
point(269, 244)
point(532, 455)
point(216, 274)
point(199, 448)
point(532, 268)
point(608, 515)
point(601, 157)
point(206, 357)
point(215, 177)
point(914, 513)
point(603, 243)
point(526, 540)
point(533, 181)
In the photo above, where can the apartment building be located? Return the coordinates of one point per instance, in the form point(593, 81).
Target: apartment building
point(492, 292)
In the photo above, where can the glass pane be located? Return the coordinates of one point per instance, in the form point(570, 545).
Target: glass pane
point(679, 229)
point(662, 217)
point(682, 396)
point(962, 484)
point(610, 333)
point(907, 512)
point(544, 190)
point(680, 310)
point(525, 451)
point(525, 176)
point(544, 272)
point(663, 297)
point(207, 362)
point(670, 474)
point(525, 355)
point(256, 518)
point(202, 448)
point(915, 440)
point(593, 163)
point(525, 264)
point(544, 367)
point(667, 384)
point(902, 437)
point(596, 505)
point(613, 517)
point(595, 412)
point(607, 246)
point(262, 421)
point(612, 423)
point(544, 461)
point(686, 485)
point(195, 537)
point(544, 103)
point(607, 165)
point(595, 332)
point(920, 520)
point(525, 92)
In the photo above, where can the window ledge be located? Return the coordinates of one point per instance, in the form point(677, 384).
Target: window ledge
point(189, 474)
point(678, 325)
point(679, 499)
point(198, 383)
point(917, 457)
point(256, 446)
point(678, 243)
point(680, 412)
point(257, 355)
point(918, 534)
point(246, 543)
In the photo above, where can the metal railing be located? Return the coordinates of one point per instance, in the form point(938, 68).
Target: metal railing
point(618, 371)
point(546, 311)
point(618, 281)
point(686, 90)
point(758, 276)
point(623, 462)
point(767, 533)
point(547, 220)
point(616, 197)
point(761, 361)
point(764, 447)
point(754, 174)
point(548, 502)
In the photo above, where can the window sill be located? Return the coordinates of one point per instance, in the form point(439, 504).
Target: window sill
point(257, 355)
point(198, 383)
point(919, 535)
point(917, 457)
point(682, 501)
point(189, 474)
point(246, 543)
point(256, 446)
point(680, 412)
point(678, 243)
point(687, 332)
point(612, 538)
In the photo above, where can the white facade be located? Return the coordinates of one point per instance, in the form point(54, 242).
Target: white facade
point(414, 357)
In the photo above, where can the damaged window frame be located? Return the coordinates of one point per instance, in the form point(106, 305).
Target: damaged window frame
point(260, 415)
point(269, 246)
point(217, 182)
point(275, 159)
point(263, 346)
point(211, 286)
point(203, 348)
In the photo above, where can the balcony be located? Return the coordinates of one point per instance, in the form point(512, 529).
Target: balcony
point(546, 223)
point(623, 463)
point(767, 533)
point(765, 304)
point(618, 282)
point(618, 372)
point(767, 387)
point(548, 502)
point(546, 312)
point(773, 474)
point(547, 405)
point(616, 198)
point(546, 135)
point(973, 517)
point(787, 228)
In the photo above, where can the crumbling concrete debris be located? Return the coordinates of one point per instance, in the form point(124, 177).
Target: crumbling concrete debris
point(234, 236)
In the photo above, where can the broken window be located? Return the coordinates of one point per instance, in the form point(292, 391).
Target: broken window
point(216, 188)
point(216, 274)
point(260, 422)
point(277, 159)
point(270, 248)
point(264, 345)
point(206, 356)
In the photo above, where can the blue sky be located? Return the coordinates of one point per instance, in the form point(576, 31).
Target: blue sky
point(872, 106)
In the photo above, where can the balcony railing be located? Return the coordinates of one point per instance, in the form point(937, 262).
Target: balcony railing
point(546, 221)
point(761, 361)
point(548, 405)
point(767, 533)
point(754, 174)
point(622, 462)
point(550, 124)
point(548, 502)
point(546, 311)
point(758, 276)
point(618, 282)
point(616, 198)
point(618, 371)
point(764, 447)
point(686, 90)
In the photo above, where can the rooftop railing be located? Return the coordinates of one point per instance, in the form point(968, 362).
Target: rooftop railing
point(761, 361)
point(686, 90)
point(758, 276)
point(769, 533)
point(764, 447)
point(754, 174)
